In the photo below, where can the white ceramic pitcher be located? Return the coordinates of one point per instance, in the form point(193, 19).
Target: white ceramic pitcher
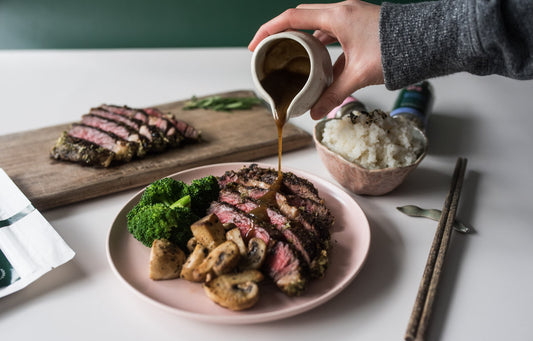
point(320, 74)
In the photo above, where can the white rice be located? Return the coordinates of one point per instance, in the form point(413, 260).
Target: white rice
point(373, 140)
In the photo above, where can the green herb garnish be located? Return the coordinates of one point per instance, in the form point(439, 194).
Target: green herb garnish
point(219, 103)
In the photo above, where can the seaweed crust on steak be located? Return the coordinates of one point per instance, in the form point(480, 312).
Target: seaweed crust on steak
point(296, 226)
point(81, 151)
point(121, 134)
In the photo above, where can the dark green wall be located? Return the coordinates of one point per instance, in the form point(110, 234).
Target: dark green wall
point(28, 24)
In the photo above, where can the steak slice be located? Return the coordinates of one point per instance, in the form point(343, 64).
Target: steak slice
point(173, 136)
point(162, 122)
point(256, 176)
point(189, 133)
point(130, 122)
point(116, 128)
point(127, 111)
point(303, 240)
point(124, 150)
point(81, 151)
point(248, 226)
point(283, 263)
point(147, 138)
point(314, 216)
point(160, 140)
point(286, 269)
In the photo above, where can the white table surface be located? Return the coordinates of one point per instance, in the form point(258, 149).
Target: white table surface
point(485, 293)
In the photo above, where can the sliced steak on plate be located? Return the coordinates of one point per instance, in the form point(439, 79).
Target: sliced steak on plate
point(256, 176)
point(283, 264)
point(303, 240)
point(296, 225)
point(314, 216)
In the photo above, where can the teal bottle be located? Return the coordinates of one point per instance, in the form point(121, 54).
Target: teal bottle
point(414, 104)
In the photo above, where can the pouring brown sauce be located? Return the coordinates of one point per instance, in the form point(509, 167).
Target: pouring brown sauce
point(286, 70)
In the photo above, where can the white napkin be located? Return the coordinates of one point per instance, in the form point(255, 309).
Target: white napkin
point(28, 242)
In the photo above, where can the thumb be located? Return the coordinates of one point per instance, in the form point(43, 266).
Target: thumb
point(333, 96)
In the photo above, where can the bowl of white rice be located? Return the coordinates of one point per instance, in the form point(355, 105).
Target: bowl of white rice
point(369, 153)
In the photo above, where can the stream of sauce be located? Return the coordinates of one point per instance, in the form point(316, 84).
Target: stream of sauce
point(286, 71)
point(282, 85)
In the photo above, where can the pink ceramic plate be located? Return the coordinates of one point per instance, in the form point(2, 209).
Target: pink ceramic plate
point(129, 259)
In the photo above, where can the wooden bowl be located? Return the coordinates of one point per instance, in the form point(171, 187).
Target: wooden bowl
point(358, 179)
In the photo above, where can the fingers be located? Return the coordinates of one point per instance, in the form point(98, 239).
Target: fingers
point(338, 67)
point(332, 97)
point(318, 6)
point(324, 38)
point(303, 17)
point(346, 81)
point(355, 25)
point(294, 18)
point(344, 84)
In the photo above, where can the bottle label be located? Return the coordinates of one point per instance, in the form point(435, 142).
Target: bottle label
point(415, 101)
point(417, 96)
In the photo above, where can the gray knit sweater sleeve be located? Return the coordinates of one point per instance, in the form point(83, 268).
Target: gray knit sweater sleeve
point(436, 38)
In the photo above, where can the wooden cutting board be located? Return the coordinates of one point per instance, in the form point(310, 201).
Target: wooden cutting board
point(228, 137)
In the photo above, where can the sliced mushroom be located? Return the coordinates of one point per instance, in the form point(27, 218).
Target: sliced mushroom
point(209, 231)
point(255, 255)
point(166, 260)
point(235, 291)
point(193, 261)
point(191, 244)
point(223, 259)
point(235, 236)
point(229, 226)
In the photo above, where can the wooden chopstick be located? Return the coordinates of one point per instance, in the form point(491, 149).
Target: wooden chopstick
point(419, 320)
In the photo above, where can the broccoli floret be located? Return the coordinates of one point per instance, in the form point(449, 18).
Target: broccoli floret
point(158, 221)
point(166, 191)
point(182, 202)
point(169, 207)
point(203, 191)
point(133, 212)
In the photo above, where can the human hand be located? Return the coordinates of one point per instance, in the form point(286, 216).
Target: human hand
point(355, 25)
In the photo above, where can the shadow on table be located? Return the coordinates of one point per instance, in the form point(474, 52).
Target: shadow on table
point(450, 134)
point(54, 280)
